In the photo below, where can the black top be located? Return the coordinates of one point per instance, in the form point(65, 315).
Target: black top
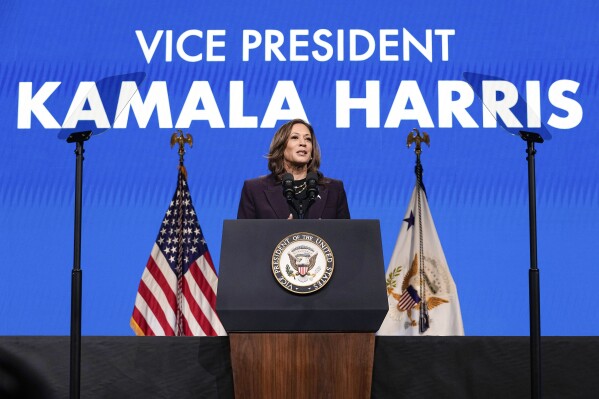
point(300, 202)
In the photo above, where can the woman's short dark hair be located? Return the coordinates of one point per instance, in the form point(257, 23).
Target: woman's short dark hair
point(279, 143)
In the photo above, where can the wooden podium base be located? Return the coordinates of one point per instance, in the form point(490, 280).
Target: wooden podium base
point(302, 365)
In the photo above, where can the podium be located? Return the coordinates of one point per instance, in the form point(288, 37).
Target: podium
point(318, 344)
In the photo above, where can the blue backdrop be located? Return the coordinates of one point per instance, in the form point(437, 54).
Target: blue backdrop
point(476, 177)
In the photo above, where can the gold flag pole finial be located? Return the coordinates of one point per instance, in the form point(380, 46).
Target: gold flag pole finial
point(415, 137)
point(182, 139)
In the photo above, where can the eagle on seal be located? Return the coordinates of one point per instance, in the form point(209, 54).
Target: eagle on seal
point(302, 268)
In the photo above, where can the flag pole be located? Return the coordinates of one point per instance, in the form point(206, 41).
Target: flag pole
point(179, 138)
point(533, 274)
point(76, 276)
point(415, 137)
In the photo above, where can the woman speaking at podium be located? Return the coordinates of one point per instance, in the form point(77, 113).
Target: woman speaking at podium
point(295, 188)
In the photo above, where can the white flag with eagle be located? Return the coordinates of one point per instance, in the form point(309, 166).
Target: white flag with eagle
point(423, 299)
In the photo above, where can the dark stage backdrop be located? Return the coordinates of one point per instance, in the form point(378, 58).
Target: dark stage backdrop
point(231, 72)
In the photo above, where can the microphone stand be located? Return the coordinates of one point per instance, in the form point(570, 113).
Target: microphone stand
point(76, 277)
point(300, 211)
point(289, 194)
point(533, 274)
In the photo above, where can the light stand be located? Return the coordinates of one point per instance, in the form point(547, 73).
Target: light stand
point(533, 274)
point(76, 277)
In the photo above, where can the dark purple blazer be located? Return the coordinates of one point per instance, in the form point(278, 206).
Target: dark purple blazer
point(262, 198)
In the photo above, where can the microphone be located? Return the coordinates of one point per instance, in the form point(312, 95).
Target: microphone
point(312, 187)
point(287, 182)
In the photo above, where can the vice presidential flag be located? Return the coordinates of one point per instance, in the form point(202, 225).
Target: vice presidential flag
point(423, 299)
point(177, 291)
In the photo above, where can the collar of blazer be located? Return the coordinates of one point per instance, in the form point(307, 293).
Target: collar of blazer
point(274, 195)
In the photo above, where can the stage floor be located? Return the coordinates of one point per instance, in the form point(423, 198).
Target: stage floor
point(404, 367)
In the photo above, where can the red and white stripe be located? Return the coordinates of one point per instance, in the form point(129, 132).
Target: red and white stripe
point(156, 302)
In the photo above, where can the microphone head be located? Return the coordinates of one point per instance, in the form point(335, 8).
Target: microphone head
point(287, 182)
point(287, 177)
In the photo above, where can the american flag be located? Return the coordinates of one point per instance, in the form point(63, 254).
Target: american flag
point(177, 291)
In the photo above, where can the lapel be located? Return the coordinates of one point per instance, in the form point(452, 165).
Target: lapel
point(274, 195)
point(315, 211)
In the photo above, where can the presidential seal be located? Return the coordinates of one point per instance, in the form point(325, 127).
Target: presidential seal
point(303, 263)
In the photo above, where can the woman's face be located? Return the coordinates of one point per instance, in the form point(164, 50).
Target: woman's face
point(299, 146)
